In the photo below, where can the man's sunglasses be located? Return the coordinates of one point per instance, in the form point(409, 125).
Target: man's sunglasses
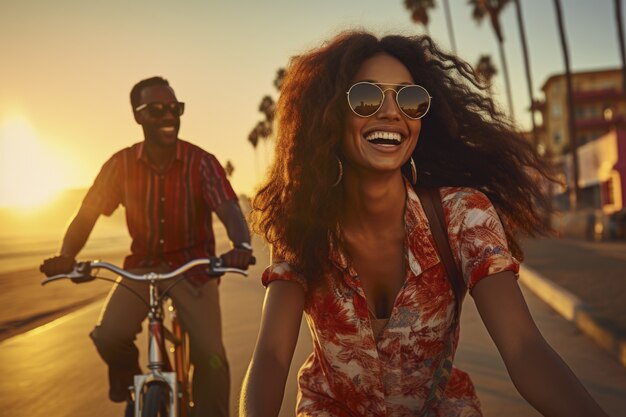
point(366, 98)
point(157, 109)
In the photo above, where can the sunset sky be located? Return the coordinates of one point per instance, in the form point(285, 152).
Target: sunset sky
point(68, 66)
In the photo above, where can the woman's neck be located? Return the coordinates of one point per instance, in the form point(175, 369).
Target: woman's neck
point(373, 205)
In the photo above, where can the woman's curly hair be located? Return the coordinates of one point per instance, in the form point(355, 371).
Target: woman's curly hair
point(464, 141)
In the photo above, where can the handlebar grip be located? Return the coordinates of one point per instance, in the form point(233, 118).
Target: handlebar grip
point(252, 260)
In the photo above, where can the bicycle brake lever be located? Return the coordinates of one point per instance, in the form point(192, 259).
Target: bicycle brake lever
point(82, 273)
point(79, 279)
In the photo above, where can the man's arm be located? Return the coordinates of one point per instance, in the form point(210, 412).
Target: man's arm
point(231, 216)
point(75, 238)
point(78, 231)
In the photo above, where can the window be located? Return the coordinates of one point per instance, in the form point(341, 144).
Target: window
point(556, 110)
point(595, 111)
point(579, 113)
point(557, 138)
point(608, 193)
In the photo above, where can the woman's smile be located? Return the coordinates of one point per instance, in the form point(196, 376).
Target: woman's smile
point(384, 141)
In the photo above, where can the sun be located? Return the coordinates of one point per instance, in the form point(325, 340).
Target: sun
point(31, 173)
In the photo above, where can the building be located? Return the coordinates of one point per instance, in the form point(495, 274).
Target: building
point(599, 104)
point(600, 123)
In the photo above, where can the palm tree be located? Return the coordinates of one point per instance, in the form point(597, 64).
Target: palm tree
point(229, 168)
point(268, 107)
point(446, 8)
point(529, 82)
point(265, 127)
point(620, 38)
point(486, 71)
point(419, 11)
point(280, 76)
point(573, 140)
point(253, 138)
point(493, 8)
point(264, 131)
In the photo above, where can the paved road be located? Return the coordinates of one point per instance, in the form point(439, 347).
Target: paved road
point(53, 371)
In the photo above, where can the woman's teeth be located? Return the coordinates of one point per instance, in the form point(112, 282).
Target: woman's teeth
point(167, 129)
point(384, 138)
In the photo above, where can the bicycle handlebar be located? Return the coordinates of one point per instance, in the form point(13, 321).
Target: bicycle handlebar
point(82, 271)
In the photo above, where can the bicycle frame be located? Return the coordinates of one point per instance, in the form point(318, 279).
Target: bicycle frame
point(156, 355)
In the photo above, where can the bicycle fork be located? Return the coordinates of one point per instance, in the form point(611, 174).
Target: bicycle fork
point(156, 350)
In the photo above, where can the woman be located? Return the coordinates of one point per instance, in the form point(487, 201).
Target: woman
point(353, 249)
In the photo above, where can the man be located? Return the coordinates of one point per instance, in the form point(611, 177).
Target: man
point(169, 189)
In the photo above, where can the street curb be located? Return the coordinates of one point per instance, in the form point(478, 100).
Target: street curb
point(574, 310)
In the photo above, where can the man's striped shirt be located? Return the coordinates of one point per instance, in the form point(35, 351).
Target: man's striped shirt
point(168, 212)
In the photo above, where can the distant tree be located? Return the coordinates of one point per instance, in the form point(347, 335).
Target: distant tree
point(253, 138)
point(280, 76)
point(268, 107)
point(573, 140)
point(485, 69)
point(229, 168)
point(419, 11)
point(492, 9)
point(264, 129)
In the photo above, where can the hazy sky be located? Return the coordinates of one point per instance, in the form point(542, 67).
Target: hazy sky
point(68, 66)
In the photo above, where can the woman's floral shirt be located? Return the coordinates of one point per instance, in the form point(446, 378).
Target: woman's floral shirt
point(351, 373)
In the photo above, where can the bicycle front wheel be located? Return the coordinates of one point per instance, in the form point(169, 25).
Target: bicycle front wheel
point(156, 401)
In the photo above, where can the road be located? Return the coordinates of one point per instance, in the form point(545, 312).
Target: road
point(53, 370)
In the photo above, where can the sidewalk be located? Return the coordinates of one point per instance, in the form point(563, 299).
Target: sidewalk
point(585, 282)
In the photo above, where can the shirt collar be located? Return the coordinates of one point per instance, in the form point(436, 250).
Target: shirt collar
point(422, 253)
point(140, 151)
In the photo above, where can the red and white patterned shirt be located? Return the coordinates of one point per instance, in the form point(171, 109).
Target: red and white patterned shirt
point(169, 212)
point(352, 373)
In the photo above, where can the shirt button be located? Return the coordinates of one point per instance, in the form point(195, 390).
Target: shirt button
point(161, 241)
point(162, 198)
point(162, 220)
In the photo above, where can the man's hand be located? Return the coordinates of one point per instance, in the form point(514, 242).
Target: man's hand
point(237, 258)
point(57, 265)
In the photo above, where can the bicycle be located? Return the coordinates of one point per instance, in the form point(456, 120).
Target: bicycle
point(164, 390)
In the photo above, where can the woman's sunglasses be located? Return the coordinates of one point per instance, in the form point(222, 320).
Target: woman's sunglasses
point(157, 109)
point(366, 98)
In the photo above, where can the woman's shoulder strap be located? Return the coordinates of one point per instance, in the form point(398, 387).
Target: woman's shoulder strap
point(433, 208)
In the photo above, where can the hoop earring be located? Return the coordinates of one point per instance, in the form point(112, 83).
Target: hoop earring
point(413, 171)
point(340, 175)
